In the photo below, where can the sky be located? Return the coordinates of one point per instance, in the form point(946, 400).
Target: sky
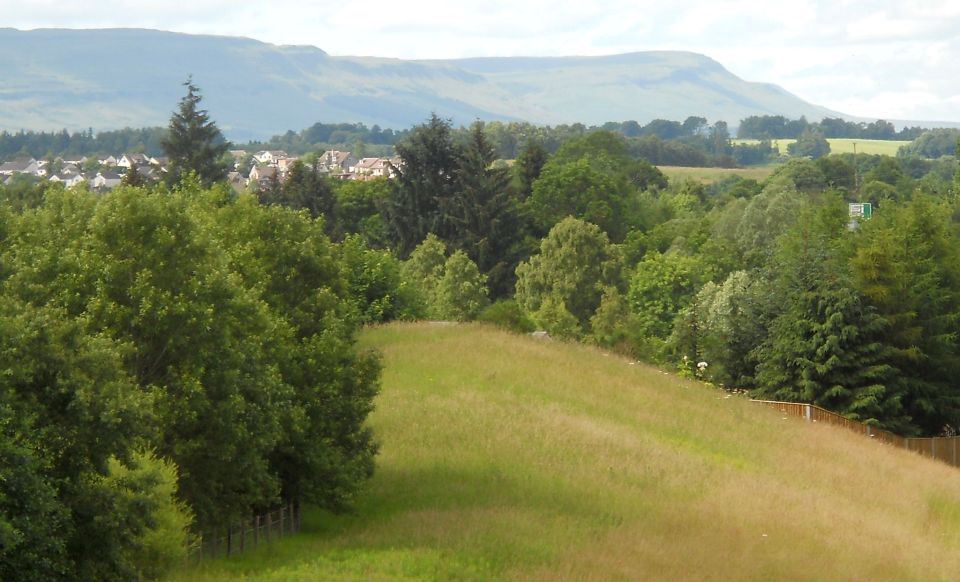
point(878, 59)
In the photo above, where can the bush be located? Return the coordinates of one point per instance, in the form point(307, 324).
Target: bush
point(508, 315)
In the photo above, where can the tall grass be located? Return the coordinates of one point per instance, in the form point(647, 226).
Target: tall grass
point(505, 457)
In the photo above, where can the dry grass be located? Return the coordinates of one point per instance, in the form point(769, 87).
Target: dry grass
point(505, 457)
point(841, 145)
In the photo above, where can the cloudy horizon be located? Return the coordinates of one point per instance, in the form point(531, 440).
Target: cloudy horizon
point(873, 59)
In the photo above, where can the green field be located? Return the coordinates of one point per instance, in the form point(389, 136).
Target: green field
point(711, 175)
point(505, 457)
point(842, 146)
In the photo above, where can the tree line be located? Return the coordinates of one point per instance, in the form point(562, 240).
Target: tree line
point(780, 127)
point(771, 285)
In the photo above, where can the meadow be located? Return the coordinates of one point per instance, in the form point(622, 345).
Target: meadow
point(711, 175)
point(841, 145)
point(508, 457)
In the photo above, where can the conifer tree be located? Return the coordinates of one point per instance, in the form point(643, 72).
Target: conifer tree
point(193, 142)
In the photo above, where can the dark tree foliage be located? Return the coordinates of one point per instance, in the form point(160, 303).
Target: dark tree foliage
point(422, 200)
point(304, 188)
point(488, 227)
point(528, 167)
point(826, 346)
point(194, 143)
point(810, 144)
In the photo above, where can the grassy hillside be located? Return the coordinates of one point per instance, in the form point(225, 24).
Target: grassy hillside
point(505, 457)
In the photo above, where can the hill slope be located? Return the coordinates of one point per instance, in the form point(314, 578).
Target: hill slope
point(107, 79)
point(505, 457)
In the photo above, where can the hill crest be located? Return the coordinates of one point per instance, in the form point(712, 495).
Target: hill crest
point(113, 78)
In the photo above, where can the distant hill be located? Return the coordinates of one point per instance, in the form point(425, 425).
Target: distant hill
point(109, 79)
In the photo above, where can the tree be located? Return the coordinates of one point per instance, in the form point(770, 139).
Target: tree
point(194, 143)
point(423, 194)
point(488, 226)
point(810, 144)
point(462, 291)
point(827, 346)
point(576, 262)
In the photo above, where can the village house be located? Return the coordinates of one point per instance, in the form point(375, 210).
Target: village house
point(263, 175)
point(20, 166)
point(131, 160)
point(68, 180)
point(105, 180)
point(336, 162)
point(270, 157)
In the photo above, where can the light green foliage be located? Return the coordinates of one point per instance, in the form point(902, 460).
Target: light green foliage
point(151, 526)
point(576, 261)
point(461, 293)
point(765, 218)
point(721, 326)
point(423, 271)
point(448, 288)
point(553, 316)
point(374, 283)
point(661, 285)
point(614, 324)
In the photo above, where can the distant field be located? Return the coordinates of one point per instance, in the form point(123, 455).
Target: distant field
point(711, 175)
point(842, 146)
point(505, 457)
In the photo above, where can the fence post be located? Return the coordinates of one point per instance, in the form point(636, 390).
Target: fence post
point(808, 412)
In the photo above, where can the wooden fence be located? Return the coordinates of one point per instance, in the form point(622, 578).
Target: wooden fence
point(946, 449)
point(242, 536)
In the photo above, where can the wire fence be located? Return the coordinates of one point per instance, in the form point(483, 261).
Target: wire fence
point(946, 449)
point(246, 535)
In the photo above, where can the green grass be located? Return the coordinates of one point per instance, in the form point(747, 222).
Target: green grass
point(711, 175)
point(842, 146)
point(504, 457)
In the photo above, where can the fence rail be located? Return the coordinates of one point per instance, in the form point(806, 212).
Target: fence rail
point(245, 535)
point(946, 449)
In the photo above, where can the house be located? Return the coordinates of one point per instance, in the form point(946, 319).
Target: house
point(285, 163)
point(337, 162)
point(376, 168)
point(69, 180)
point(237, 181)
point(270, 157)
point(262, 175)
point(107, 161)
point(131, 160)
point(20, 166)
point(105, 180)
